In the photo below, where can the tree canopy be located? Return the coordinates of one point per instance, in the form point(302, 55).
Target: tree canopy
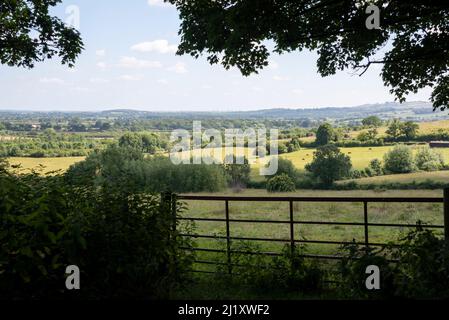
point(412, 42)
point(325, 134)
point(29, 34)
point(329, 164)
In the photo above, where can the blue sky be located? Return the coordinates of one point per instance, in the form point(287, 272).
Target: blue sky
point(129, 62)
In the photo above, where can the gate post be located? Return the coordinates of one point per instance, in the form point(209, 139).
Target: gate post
point(292, 230)
point(446, 214)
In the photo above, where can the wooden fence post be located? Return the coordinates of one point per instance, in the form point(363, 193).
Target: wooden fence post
point(446, 214)
point(292, 230)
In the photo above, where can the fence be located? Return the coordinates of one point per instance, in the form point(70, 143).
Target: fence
point(293, 223)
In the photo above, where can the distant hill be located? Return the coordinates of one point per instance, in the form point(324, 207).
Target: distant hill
point(416, 111)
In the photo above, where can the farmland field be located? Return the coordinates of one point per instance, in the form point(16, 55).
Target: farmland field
point(436, 176)
point(360, 157)
point(50, 164)
point(424, 128)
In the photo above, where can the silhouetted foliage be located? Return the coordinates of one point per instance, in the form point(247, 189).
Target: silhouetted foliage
point(125, 245)
point(234, 33)
point(29, 34)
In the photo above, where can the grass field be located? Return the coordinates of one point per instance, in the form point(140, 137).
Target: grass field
point(338, 212)
point(49, 164)
point(424, 128)
point(437, 176)
point(360, 157)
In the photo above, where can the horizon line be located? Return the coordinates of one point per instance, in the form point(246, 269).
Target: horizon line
point(74, 110)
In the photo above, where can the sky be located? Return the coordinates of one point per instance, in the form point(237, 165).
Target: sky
point(129, 61)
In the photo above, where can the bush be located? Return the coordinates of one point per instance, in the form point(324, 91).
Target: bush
point(422, 270)
point(289, 272)
point(125, 246)
point(375, 166)
point(353, 273)
point(399, 160)
point(428, 160)
point(281, 183)
point(121, 168)
point(286, 167)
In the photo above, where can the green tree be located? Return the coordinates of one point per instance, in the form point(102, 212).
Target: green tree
point(325, 134)
point(399, 160)
point(372, 122)
point(237, 170)
point(294, 144)
point(29, 34)
point(76, 125)
point(329, 164)
point(235, 33)
point(367, 135)
point(410, 129)
point(131, 140)
point(395, 129)
point(151, 142)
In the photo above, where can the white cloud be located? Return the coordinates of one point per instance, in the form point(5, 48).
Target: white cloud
point(98, 80)
point(100, 53)
point(127, 77)
point(160, 46)
point(51, 81)
point(158, 3)
point(179, 67)
point(162, 81)
point(298, 91)
point(280, 78)
point(101, 65)
point(80, 89)
point(132, 62)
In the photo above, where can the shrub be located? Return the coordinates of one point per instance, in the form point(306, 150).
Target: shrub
point(121, 168)
point(353, 273)
point(289, 272)
point(125, 246)
point(280, 183)
point(375, 166)
point(355, 174)
point(428, 160)
point(286, 167)
point(399, 160)
point(424, 268)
